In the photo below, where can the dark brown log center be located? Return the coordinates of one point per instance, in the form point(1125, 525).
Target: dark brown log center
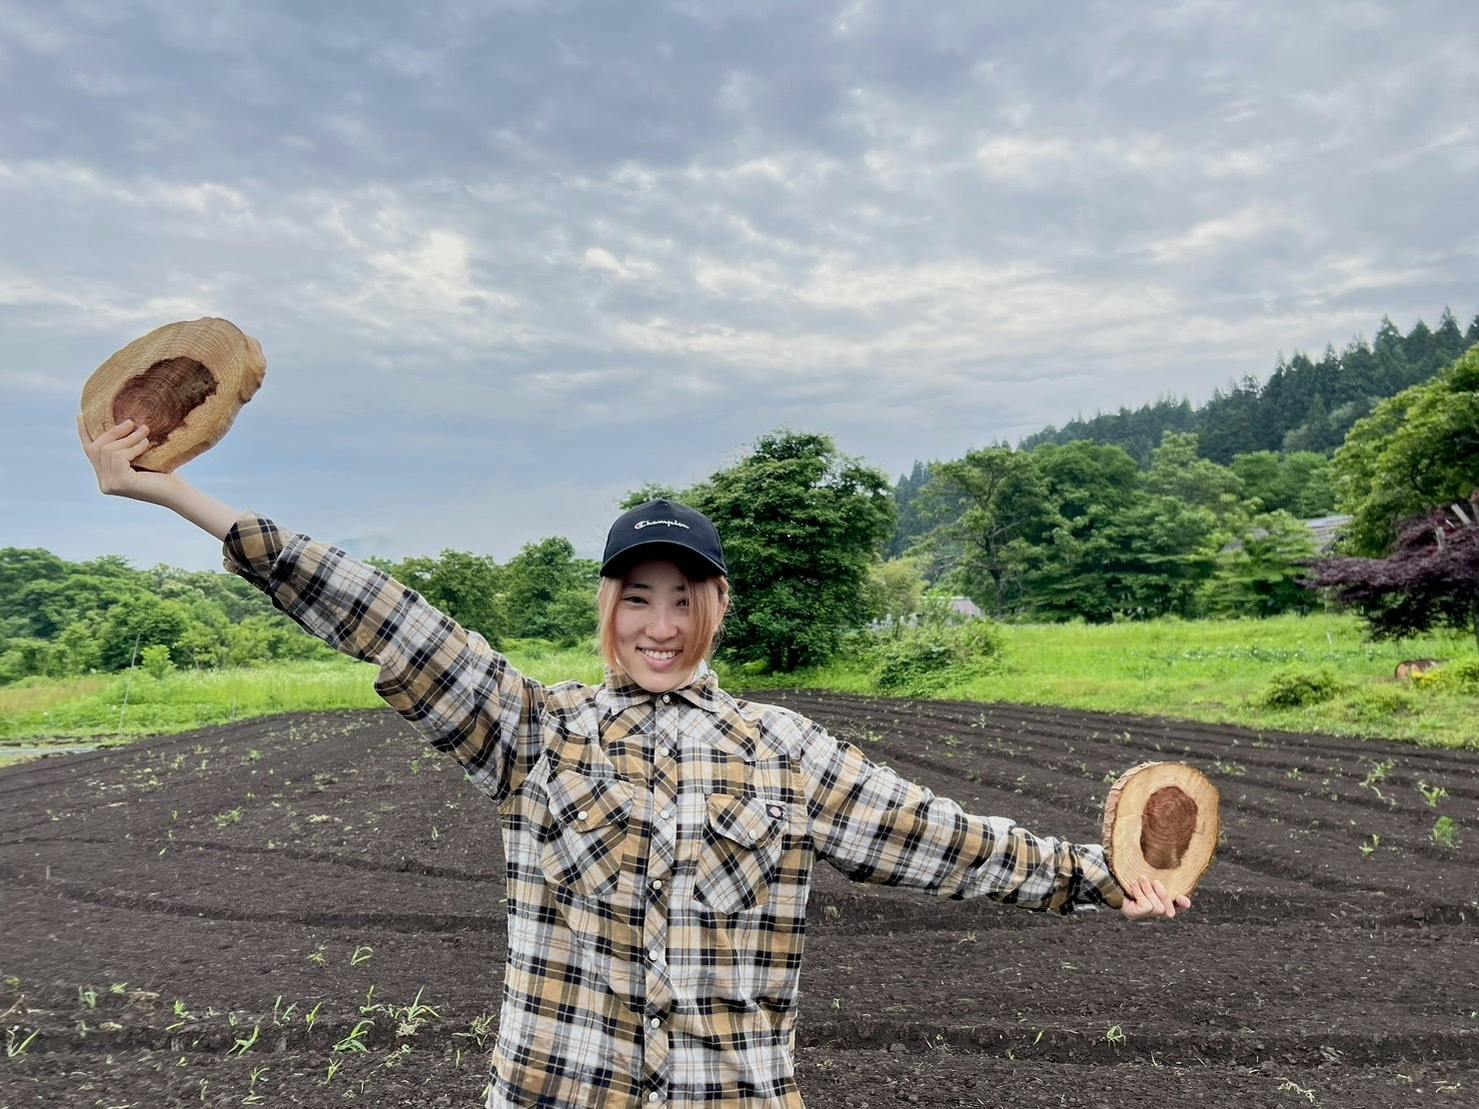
point(1166, 827)
point(163, 395)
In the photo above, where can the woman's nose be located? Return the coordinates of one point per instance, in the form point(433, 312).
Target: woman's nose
point(662, 626)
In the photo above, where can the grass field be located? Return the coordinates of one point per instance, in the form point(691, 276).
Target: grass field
point(1200, 670)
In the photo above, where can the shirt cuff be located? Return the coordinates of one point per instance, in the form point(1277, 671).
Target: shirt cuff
point(251, 547)
point(1101, 878)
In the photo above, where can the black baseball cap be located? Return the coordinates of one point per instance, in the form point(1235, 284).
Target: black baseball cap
point(644, 532)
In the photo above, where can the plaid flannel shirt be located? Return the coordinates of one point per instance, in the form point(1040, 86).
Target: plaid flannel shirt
point(659, 847)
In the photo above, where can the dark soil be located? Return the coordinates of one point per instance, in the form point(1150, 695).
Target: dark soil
point(238, 871)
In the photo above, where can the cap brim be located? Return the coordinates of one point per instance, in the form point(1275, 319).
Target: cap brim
point(686, 557)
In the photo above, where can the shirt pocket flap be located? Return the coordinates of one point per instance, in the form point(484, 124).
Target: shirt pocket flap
point(588, 802)
point(747, 821)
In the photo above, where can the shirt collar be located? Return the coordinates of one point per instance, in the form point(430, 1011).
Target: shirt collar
point(701, 690)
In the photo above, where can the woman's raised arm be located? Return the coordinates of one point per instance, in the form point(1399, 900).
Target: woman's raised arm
point(460, 693)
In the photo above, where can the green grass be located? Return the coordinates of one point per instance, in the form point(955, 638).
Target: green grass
point(1202, 670)
point(1211, 670)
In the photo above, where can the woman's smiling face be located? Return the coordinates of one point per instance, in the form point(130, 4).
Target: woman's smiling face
point(654, 621)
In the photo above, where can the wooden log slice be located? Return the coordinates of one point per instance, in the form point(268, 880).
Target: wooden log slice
point(1162, 821)
point(186, 380)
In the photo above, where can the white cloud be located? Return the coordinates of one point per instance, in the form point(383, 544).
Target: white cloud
point(1208, 235)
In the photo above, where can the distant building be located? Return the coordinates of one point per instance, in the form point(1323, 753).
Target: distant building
point(1324, 529)
point(964, 606)
point(1327, 529)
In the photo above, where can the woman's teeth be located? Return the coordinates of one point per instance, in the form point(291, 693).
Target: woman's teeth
point(659, 656)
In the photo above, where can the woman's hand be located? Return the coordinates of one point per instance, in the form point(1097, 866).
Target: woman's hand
point(112, 454)
point(1147, 900)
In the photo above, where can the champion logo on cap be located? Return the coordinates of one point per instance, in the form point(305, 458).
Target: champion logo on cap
point(640, 524)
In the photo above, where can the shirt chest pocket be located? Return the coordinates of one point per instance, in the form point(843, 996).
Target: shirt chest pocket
point(739, 854)
point(584, 846)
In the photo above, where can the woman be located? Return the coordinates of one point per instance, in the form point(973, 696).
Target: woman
point(659, 834)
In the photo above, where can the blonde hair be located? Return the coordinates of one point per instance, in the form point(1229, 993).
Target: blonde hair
point(707, 599)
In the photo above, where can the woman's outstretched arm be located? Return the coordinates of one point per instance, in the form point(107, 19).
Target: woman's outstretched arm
point(445, 679)
point(875, 826)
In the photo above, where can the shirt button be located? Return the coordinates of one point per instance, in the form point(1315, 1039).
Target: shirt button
point(668, 752)
point(657, 883)
point(667, 699)
point(654, 1023)
point(667, 813)
point(654, 955)
point(581, 815)
point(654, 1097)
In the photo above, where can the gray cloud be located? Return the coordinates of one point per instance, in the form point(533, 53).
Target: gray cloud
point(510, 260)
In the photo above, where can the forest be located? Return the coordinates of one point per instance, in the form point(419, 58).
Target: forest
point(1166, 510)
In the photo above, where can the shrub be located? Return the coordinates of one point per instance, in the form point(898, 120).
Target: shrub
point(929, 658)
point(1382, 702)
point(1296, 687)
point(1460, 676)
point(156, 660)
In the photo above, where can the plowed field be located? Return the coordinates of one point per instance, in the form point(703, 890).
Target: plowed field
point(163, 903)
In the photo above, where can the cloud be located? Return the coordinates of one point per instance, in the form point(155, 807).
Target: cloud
point(575, 243)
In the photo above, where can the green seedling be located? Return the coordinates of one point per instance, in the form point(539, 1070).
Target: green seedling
point(435, 835)
point(1445, 832)
point(355, 1041)
point(398, 1056)
point(1115, 1035)
point(479, 1030)
point(334, 1066)
point(232, 816)
point(317, 957)
point(1290, 1086)
point(411, 1017)
point(310, 1018)
point(361, 954)
point(204, 1085)
point(117, 988)
point(1368, 848)
point(88, 996)
point(1378, 774)
point(1432, 794)
point(182, 1015)
point(246, 1043)
point(253, 1098)
point(14, 1048)
point(370, 1005)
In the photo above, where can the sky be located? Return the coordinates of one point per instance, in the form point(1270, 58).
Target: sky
point(509, 261)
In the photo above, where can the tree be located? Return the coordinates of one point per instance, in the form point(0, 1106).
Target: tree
point(1300, 483)
point(1262, 572)
point(1418, 451)
point(1431, 577)
point(895, 589)
point(465, 586)
point(549, 593)
point(1007, 511)
point(1177, 470)
point(1156, 555)
point(801, 523)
